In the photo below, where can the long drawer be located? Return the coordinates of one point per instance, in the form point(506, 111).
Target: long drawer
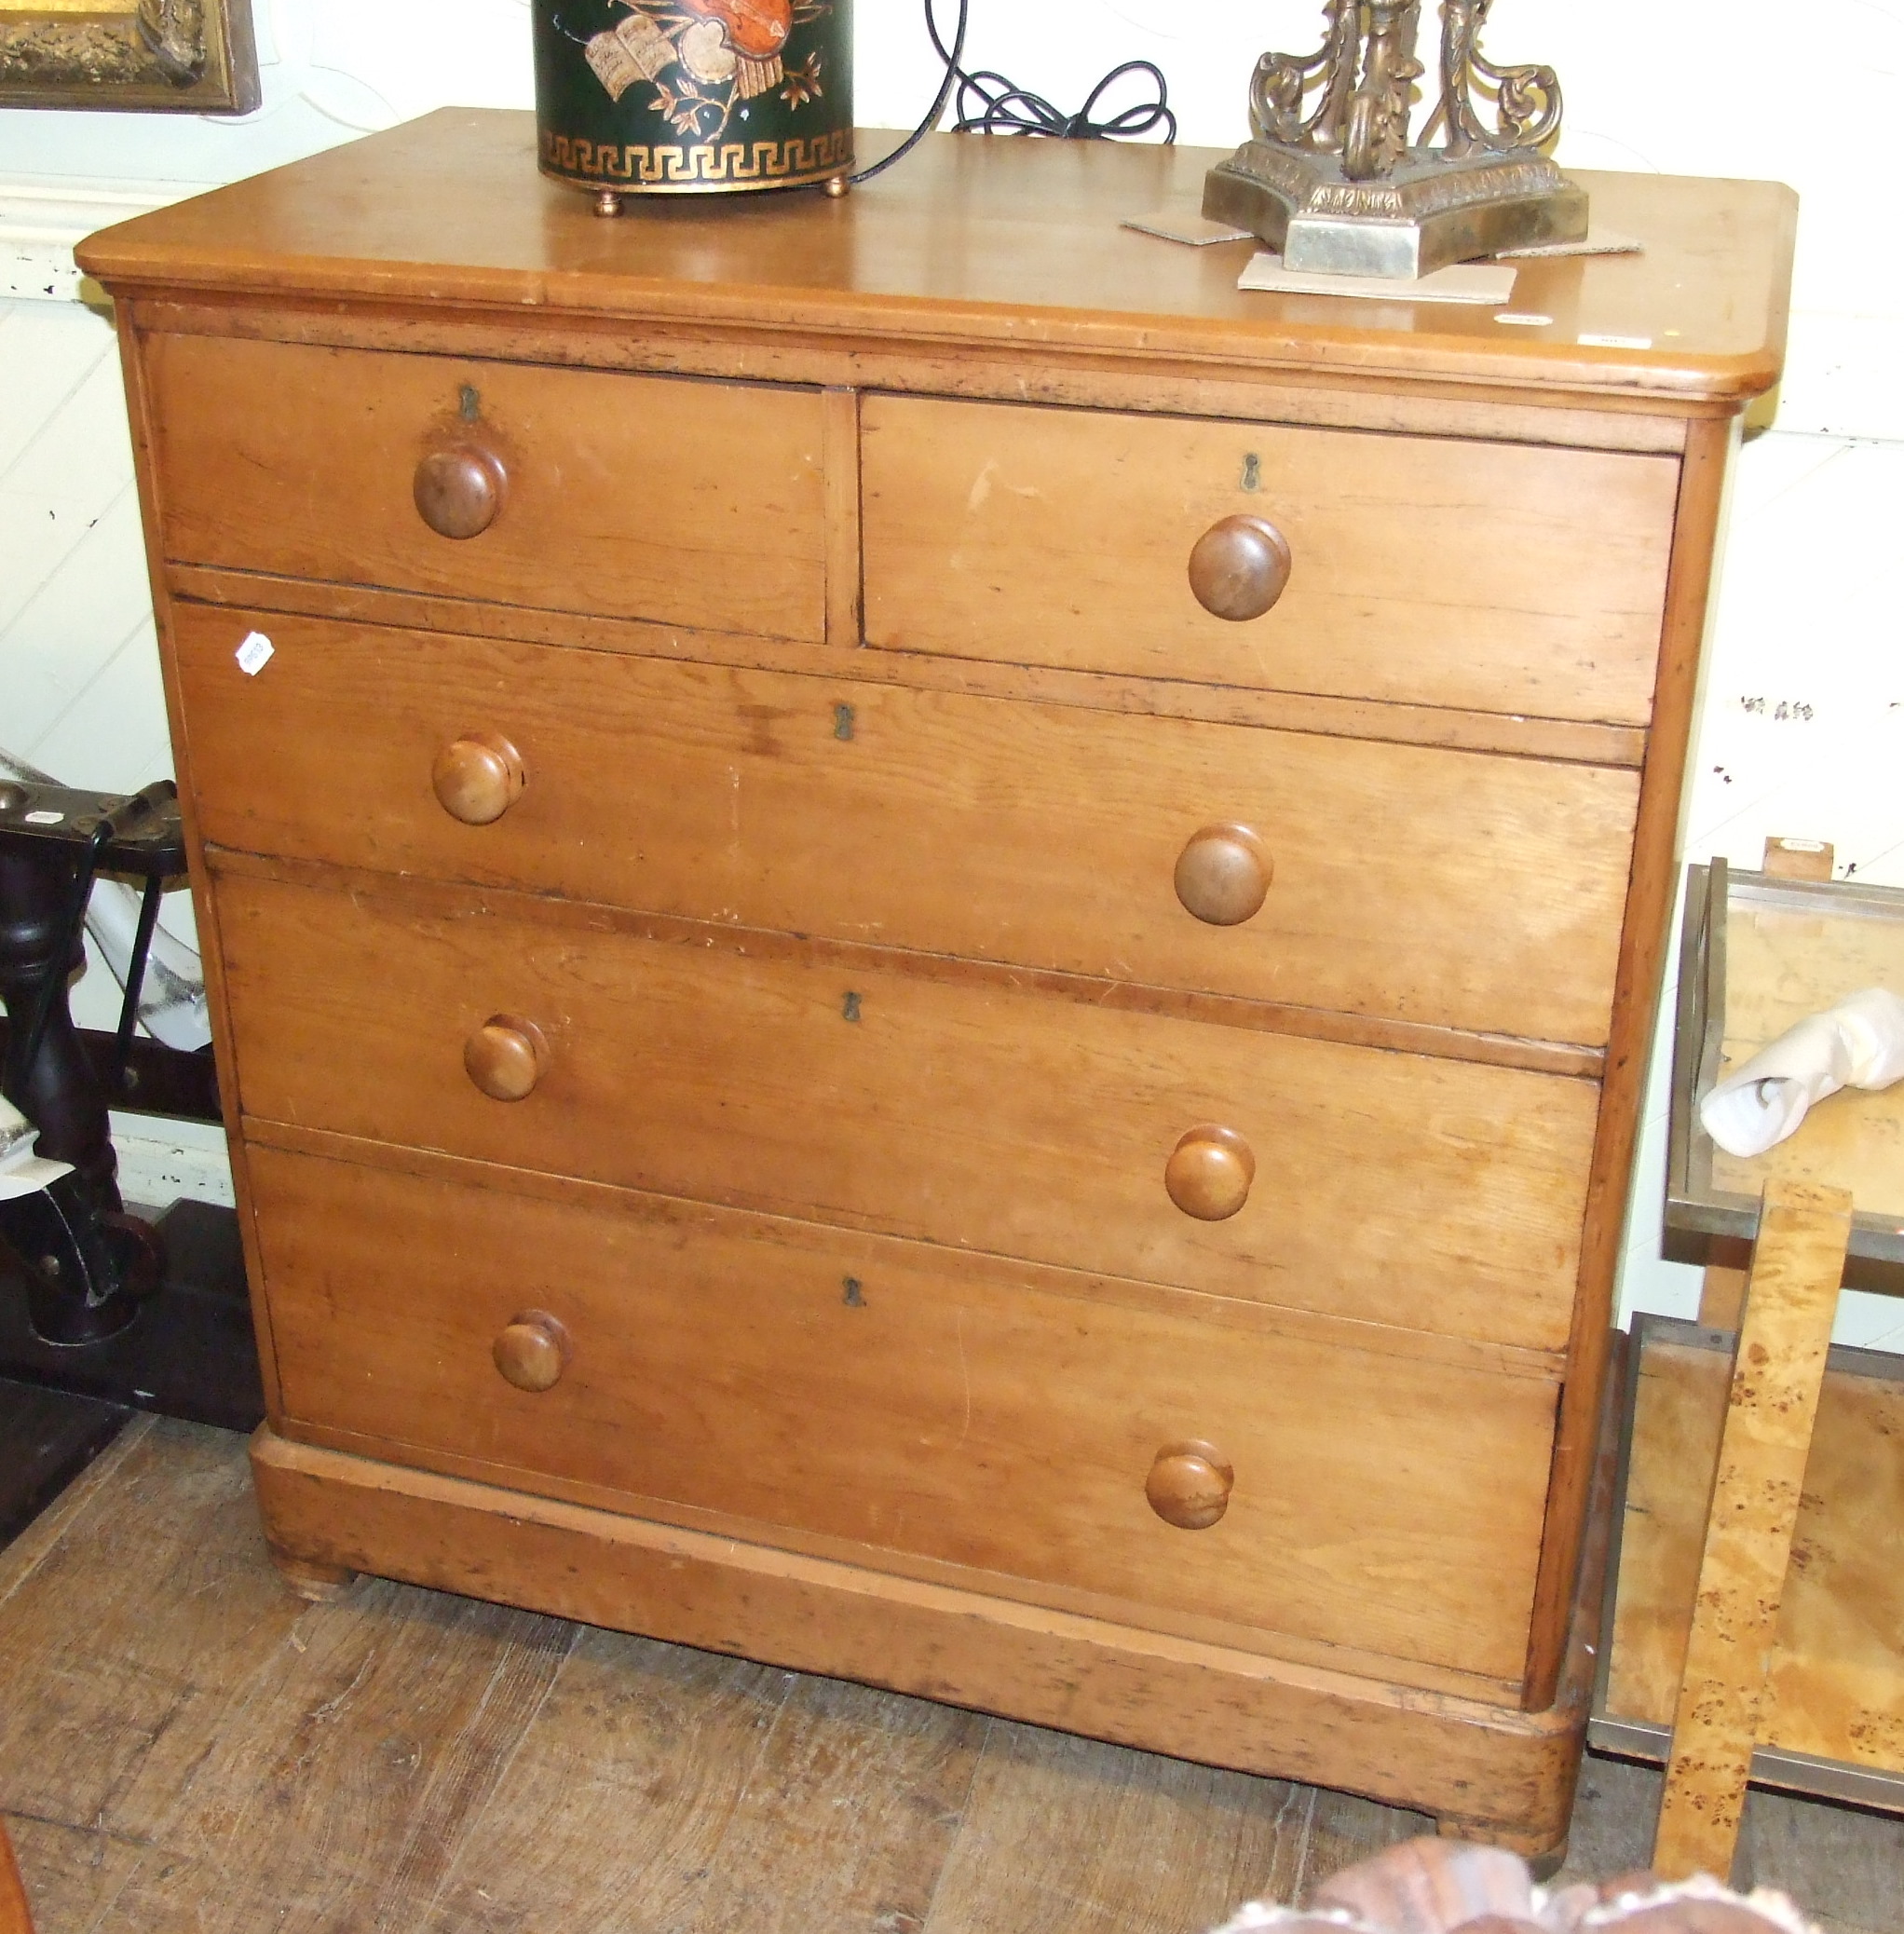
point(1448, 888)
point(1397, 1189)
point(862, 1392)
point(1496, 577)
point(692, 503)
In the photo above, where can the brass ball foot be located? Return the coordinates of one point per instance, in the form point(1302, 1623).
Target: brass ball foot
point(607, 203)
point(839, 187)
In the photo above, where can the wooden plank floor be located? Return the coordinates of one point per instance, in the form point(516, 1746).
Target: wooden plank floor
point(184, 1745)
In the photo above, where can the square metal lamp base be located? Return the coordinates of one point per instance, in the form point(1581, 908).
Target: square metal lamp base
point(1429, 211)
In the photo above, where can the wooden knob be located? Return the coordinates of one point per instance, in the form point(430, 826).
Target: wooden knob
point(1190, 1485)
point(460, 489)
point(506, 1057)
point(1209, 1173)
point(1239, 567)
point(478, 777)
point(532, 1351)
point(1223, 875)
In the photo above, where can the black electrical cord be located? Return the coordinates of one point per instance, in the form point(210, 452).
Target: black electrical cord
point(988, 103)
point(939, 100)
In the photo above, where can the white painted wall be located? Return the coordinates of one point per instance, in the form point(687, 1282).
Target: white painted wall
point(1806, 613)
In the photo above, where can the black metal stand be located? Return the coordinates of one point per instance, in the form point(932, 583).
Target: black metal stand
point(86, 1263)
point(102, 1313)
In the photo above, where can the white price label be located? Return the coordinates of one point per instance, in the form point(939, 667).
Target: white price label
point(255, 654)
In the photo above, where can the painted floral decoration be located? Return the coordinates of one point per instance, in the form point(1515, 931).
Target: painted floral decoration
point(706, 59)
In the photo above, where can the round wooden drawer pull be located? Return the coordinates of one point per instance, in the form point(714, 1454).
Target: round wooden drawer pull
point(460, 490)
point(532, 1351)
point(1239, 567)
point(478, 778)
point(1223, 875)
point(506, 1057)
point(1190, 1485)
point(1209, 1173)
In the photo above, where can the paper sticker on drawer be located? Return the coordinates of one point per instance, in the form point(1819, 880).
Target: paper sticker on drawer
point(255, 654)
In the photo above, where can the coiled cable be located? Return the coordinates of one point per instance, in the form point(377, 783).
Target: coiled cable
point(989, 104)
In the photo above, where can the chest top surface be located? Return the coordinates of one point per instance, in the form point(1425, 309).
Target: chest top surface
point(973, 242)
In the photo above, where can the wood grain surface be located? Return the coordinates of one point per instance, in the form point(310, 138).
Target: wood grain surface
point(1395, 1189)
point(1835, 1689)
point(1650, 897)
point(1516, 735)
point(448, 211)
point(624, 496)
point(1435, 1209)
point(645, 1788)
point(1431, 887)
point(1480, 575)
point(1791, 1296)
point(15, 1917)
point(1507, 1772)
point(897, 1406)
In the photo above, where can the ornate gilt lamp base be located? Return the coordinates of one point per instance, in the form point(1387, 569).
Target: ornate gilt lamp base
point(1333, 179)
point(1432, 210)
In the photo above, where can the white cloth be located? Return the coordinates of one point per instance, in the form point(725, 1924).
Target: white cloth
point(22, 1171)
point(1859, 1044)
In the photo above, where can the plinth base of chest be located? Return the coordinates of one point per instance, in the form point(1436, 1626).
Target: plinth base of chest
point(1486, 1772)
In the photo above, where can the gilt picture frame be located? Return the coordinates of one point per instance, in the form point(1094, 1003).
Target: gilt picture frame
point(186, 56)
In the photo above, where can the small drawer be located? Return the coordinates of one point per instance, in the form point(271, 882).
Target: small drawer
point(869, 1399)
point(1410, 883)
point(1428, 1195)
point(1491, 577)
point(686, 502)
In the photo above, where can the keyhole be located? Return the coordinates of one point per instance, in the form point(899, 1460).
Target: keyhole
point(1252, 472)
point(469, 402)
point(849, 1008)
point(852, 1298)
point(842, 721)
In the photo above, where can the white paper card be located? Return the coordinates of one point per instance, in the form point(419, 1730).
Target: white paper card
point(1600, 242)
point(1182, 225)
point(1488, 284)
point(255, 654)
point(35, 1173)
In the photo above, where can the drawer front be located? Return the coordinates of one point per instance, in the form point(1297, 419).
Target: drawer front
point(1434, 1195)
point(862, 1392)
point(1448, 888)
point(1491, 577)
point(692, 503)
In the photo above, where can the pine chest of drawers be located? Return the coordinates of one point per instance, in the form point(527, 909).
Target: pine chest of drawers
point(932, 945)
